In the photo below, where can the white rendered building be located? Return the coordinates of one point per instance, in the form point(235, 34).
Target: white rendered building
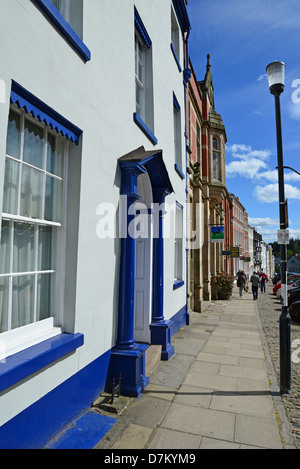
point(92, 123)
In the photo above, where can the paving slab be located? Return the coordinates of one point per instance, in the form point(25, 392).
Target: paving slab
point(188, 346)
point(135, 437)
point(257, 431)
point(212, 381)
point(218, 358)
point(200, 421)
point(244, 402)
point(194, 396)
point(172, 373)
point(213, 443)
point(243, 372)
point(172, 439)
point(148, 411)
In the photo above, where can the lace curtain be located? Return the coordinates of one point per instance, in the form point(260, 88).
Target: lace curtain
point(32, 189)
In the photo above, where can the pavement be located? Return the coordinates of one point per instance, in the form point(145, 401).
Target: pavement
point(219, 390)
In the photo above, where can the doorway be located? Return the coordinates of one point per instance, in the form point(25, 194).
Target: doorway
point(143, 264)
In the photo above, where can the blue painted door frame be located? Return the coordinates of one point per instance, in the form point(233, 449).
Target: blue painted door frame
point(160, 328)
point(127, 357)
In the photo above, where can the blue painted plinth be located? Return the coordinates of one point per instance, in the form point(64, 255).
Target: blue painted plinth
point(130, 364)
point(84, 433)
point(161, 335)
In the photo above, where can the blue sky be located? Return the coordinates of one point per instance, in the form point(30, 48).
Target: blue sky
point(242, 38)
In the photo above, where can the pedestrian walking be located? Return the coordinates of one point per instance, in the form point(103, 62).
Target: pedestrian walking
point(241, 282)
point(255, 282)
point(262, 281)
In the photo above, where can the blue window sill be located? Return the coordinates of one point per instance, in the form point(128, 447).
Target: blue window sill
point(175, 57)
point(178, 284)
point(25, 363)
point(64, 27)
point(141, 124)
point(178, 171)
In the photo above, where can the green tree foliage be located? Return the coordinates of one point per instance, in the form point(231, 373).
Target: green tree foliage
point(292, 248)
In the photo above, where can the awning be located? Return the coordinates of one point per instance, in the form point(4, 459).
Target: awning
point(27, 101)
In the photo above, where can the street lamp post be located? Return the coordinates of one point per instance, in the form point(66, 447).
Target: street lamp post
point(275, 72)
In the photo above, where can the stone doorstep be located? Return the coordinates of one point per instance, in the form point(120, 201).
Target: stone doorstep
point(152, 359)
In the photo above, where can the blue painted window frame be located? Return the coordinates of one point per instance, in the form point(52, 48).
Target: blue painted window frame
point(141, 29)
point(177, 107)
point(63, 26)
point(178, 284)
point(175, 57)
point(178, 171)
point(141, 124)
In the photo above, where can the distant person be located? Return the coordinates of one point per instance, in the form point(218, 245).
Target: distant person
point(241, 282)
point(275, 278)
point(262, 281)
point(255, 282)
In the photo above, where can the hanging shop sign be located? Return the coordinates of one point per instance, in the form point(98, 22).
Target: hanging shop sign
point(217, 234)
point(235, 252)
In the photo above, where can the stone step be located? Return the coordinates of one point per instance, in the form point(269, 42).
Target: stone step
point(152, 359)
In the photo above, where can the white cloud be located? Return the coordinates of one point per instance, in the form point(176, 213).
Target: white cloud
point(247, 168)
point(261, 77)
point(294, 233)
point(269, 193)
point(245, 152)
point(272, 176)
point(294, 111)
point(248, 161)
point(257, 113)
point(263, 221)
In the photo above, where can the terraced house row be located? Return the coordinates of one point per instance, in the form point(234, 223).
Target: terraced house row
point(112, 175)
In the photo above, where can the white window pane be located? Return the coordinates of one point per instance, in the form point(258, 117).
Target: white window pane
point(46, 254)
point(5, 248)
point(11, 184)
point(55, 149)
point(45, 298)
point(57, 4)
point(31, 193)
point(178, 268)
point(136, 56)
point(216, 169)
point(33, 144)
point(53, 200)
point(3, 304)
point(22, 301)
point(138, 99)
point(23, 252)
point(13, 135)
